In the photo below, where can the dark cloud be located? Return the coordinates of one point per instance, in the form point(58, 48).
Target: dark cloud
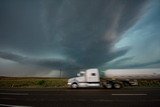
point(48, 63)
point(82, 31)
point(87, 34)
point(121, 64)
point(12, 57)
point(143, 64)
point(51, 62)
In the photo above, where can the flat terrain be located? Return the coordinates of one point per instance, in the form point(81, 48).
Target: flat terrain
point(52, 97)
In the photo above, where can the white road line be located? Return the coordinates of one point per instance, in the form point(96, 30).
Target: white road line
point(7, 98)
point(94, 100)
point(102, 100)
point(82, 100)
point(13, 93)
point(6, 105)
point(128, 94)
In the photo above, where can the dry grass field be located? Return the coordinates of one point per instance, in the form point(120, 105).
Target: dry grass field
point(46, 82)
point(32, 82)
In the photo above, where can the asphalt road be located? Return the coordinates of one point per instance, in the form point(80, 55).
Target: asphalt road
point(128, 97)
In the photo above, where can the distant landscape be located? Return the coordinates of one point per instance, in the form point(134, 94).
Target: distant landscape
point(49, 82)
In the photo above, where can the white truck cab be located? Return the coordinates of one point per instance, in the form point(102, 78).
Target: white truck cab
point(88, 78)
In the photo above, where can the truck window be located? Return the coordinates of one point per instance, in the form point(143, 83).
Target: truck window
point(93, 74)
point(81, 74)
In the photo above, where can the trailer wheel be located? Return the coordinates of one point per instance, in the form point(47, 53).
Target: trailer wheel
point(108, 86)
point(117, 86)
point(74, 85)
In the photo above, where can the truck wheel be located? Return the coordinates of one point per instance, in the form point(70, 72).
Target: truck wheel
point(117, 86)
point(74, 85)
point(108, 85)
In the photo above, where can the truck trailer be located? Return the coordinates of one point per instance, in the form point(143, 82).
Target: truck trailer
point(113, 78)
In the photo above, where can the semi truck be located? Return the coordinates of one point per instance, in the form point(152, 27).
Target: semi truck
point(112, 78)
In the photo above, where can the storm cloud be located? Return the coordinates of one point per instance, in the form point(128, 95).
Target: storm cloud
point(66, 33)
point(86, 30)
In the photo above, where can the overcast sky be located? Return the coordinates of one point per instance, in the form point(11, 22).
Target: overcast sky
point(41, 37)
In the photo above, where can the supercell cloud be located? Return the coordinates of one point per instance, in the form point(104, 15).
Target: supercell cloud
point(48, 35)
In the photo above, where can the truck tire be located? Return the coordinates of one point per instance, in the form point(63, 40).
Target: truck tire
point(109, 86)
point(117, 86)
point(74, 85)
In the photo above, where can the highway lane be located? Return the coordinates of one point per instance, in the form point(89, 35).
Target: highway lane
point(49, 97)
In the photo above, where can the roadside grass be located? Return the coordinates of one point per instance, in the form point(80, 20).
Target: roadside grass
point(40, 82)
point(32, 82)
point(149, 83)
